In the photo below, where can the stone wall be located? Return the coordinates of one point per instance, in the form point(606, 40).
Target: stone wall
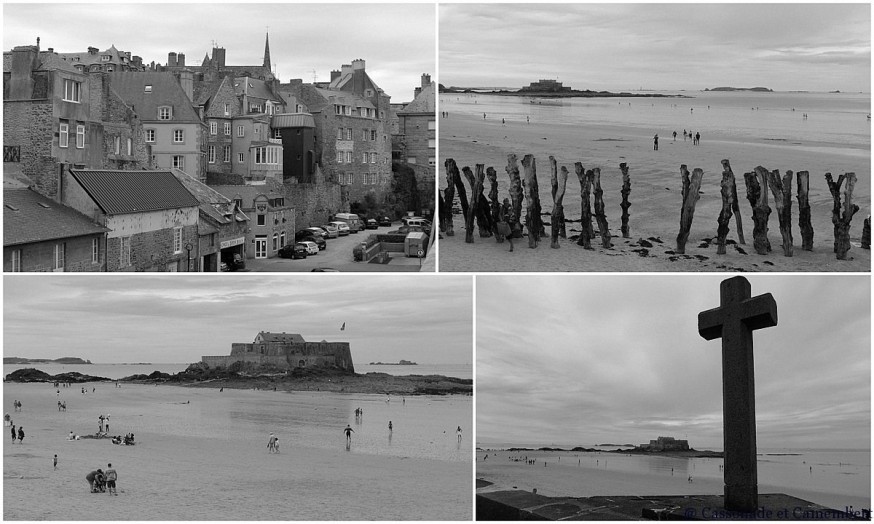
point(314, 203)
point(151, 251)
point(40, 256)
point(288, 356)
point(30, 125)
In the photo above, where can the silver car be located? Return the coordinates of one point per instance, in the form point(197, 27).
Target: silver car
point(331, 229)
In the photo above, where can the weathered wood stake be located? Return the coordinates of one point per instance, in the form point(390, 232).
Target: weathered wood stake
point(757, 194)
point(735, 204)
point(803, 185)
point(587, 232)
point(449, 198)
point(782, 190)
point(532, 201)
point(515, 194)
point(558, 207)
point(553, 172)
point(691, 186)
point(841, 218)
point(626, 190)
point(483, 214)
point(866, 233)
point(600, 217)
point(725, 214)
point(495, 204)
point(462, 193)
point(471, 211)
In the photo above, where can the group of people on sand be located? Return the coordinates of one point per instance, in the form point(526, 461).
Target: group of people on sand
point(19, 435)
point(103, 481)
point(696, 138)
point(273, 444)
point(103, 423)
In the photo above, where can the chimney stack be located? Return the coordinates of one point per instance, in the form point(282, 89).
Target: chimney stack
point(426, 80)
point(180, 59)
point(335, 75)
point(171, 59)
point(24, 60)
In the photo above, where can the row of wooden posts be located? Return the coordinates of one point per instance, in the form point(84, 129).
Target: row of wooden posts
point(487, 212)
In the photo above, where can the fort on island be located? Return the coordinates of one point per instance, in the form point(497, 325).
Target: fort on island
point(285, 351)
point(665, 444)
point(546, 86)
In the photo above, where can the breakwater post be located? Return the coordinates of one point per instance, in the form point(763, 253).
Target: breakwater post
point(557, 206)
point(554, 179)
point(735, 204)
point(495, 205)
point(450, 166)
point(515, 192)
point(471, 210)
point(600, 217)
point(724, 219)
point(842, 218)
point(483, 216)
point(691, 188)
point(587, 232)
point(803, 185)
point(459, 189)
point(782, 190)
point(757, 194)
point(626, 190)
point(532, 201)
point(866, 233)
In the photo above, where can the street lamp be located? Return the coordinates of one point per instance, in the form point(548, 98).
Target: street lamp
point(188, 247)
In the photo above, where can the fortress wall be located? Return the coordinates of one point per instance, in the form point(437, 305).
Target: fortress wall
point(310, 354)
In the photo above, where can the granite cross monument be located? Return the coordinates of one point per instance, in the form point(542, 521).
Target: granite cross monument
point(737, 316)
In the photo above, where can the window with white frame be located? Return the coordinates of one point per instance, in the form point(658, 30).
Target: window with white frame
point(432, 143)
point(348, 110)
point(339, 133)
point(227, 129)
point(63, 134)
point(105, 58)
point(124, 252)
point(338, 109)
point(177, 240)
point(349, 134)
point(241, 131)
point(213, 127)
point(80, 137)
point(72, 91)
point(275, 241)
point(340, 157)
point(178, 136)
point(147, 88)
point(16, 260)
point(179, 161)
point(210, 154)
point(282, 239)
point(411, 160)
point(432, 161)
point(241, 158)
point(150, 135)
point(277, 133)
point(227, 154)
point(348, 157)
point(58, 262)
point(372, 158)
point(117, 145)
point(432, 125)
point(227, 111)
point(95, 250)
point(364, 157)
point(130, 146)
point(373, 134)
point(165, 113)
point(363, 134)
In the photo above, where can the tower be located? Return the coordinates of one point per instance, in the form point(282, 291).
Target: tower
point(267, 62)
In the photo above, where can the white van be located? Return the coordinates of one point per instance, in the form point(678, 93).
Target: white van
point(355, 224)
point(424, 223)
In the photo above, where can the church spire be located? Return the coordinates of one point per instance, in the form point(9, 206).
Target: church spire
point(267, 62)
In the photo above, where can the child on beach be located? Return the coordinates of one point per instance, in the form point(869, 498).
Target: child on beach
point(349, 432)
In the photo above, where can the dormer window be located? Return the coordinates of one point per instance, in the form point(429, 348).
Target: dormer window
point(165, 113)
point(105, 58)
point(148, 88)
point(72, 91)
point(368, 93)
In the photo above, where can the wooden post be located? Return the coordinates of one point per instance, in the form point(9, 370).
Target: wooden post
point(476, 186)
point(553, 172)
point(626, 190)
point(757, 194)
point(782, 190)
point(462, 193)
point(532, 201)
point(557, 206)
point(600, 217)
point(735, 204)
point(803, 185)
point(841, 218)
point(866, 233)
point(451, 168)
point(587, 233)
point(691, 187)
point(483, 214)
point(725, 214)
point(515, 194)
point(495, 205)
point(442, 211)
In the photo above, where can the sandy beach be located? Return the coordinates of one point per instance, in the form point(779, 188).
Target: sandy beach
point(201, 455)
point(655, 197)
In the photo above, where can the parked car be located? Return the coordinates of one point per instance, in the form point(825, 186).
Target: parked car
point(384, 221)
point(311, 247)
point(317, 230)
point(332, 230)
point(350, 219)
point(306, 234)
point(372, 224)
point(342, 228)
point(424, 223)
point(324, 270)
point(237, 264)
point(293, 251)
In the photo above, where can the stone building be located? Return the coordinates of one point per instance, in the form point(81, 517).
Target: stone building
point(40, 234)
point(546, 86)
point(666, 444)
point(108, 61)
point(271, 219)
point(151, 216)
point(286, 351)
point(415, 141)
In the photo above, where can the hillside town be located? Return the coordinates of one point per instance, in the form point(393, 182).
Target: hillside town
point(114, 164)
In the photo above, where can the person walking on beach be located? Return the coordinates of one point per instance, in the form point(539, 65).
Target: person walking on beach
point(675, 136)
point(684, 135)
point(111, 477)
point(55, 462)
point(21, 434)
point(655, 142)
point(527, 120)
point(271, 444)
point(484, 116)
point(389, 426)
point(458, 433)
point(349, 432)
point(503, 122)
point(13, 433)
point(106, 423)
point(697, 138)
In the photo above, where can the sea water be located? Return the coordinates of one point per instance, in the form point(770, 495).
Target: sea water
point(837, 122)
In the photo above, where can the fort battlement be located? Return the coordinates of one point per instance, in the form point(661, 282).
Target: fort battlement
point(286, 351)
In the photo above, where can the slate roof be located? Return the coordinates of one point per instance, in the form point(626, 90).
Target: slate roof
point(255, 88)
point(332, 97)
point(166, 91)
point(287, 338)
point(213, 204)
point(424, 103)
point(248, 193)
point(283, 120)
point(123, 192)
point(29, 217)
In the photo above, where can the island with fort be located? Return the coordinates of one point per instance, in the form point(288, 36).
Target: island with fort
point(554, 89)
point(282, 362)
point(62, 360)
point(662, 446)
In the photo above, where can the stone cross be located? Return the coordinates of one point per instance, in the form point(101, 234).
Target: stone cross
point(734, 321)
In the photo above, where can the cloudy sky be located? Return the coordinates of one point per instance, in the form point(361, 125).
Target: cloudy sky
point(816, 47)
point(177, 320)
point(584, 360)
point(303, 37)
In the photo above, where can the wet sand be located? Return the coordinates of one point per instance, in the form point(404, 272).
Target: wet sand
point(655, 198)
point(185, 467)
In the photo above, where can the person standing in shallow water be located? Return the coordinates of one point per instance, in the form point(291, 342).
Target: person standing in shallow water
point(348, 430)
point(458, 432)
point(655, 142)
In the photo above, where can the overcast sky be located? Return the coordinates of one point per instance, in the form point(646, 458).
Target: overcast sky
point(585, 360)
point(397, 41)
point(816, 47)
point(162, 319)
